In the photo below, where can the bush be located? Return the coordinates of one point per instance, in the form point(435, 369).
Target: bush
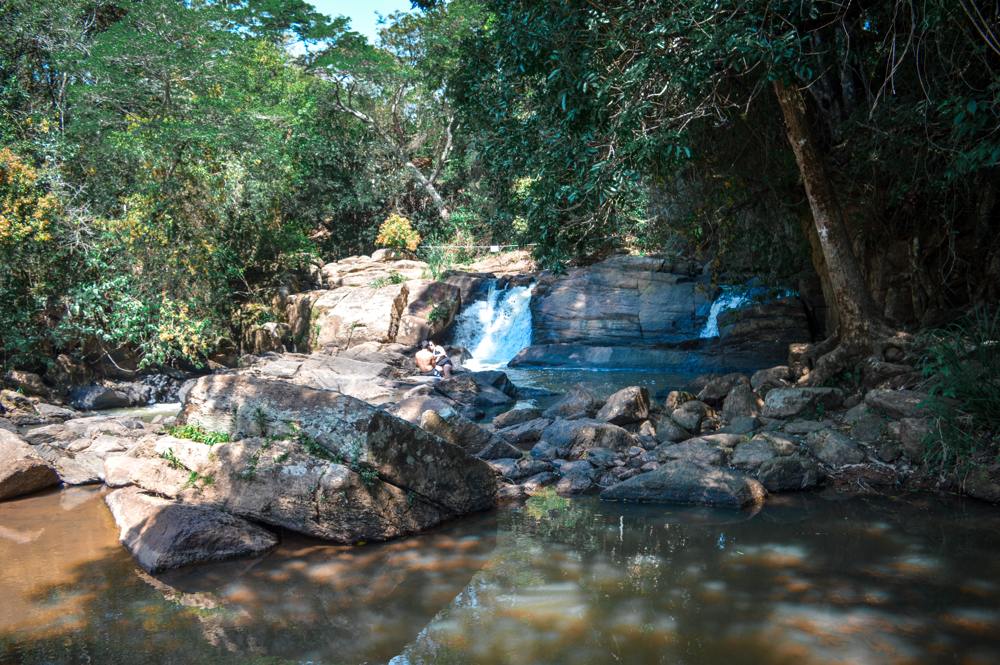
point(397, 232)
point(962, 364)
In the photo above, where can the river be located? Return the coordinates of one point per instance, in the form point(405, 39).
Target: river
point(808, 579)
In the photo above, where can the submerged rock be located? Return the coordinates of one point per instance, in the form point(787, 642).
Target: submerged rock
point(163, 534)
point(688, 482)
point(22, 470)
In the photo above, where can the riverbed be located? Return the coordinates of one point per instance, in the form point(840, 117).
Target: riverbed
point(807, 579)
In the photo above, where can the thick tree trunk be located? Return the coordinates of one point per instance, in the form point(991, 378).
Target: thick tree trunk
point(857, 315)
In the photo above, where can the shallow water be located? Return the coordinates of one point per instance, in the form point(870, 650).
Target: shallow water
point(805, 580)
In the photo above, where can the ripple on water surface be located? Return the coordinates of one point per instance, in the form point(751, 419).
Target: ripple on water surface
point(805, 580)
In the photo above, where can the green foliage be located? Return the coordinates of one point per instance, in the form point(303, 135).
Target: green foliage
point(172, 459)
point(198, 434)
point(392, 278)
point(962, 366)
point(439, 313)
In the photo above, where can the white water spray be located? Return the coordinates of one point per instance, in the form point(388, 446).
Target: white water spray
point(494, 330)
point(728, 299)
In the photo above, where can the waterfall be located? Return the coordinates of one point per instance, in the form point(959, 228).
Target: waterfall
point(495, 329)
point(730, 298)
point(734, 297)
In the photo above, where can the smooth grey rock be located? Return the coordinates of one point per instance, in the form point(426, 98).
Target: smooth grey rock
point(790, 402)
point(690, 415)
point(718, 388)
point(694, 450)
point(538, 482)
point(526, 432)
point(578, 436)
point(741, 402)
point(667, 431)
point(834, 448)
point(22, 470)
point(688, 482)
point(93, 398)
point(579, 402)
point(628, 405)
point(789, 473)
point(897, 403)
point(751, 454)
point(163, 534)
point(765, 380)
point(516, 417)
point(574, 483)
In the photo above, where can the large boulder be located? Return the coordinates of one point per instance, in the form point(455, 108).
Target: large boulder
point(764, 380)
point(525, 433)
point(741, 402)
point(689, 482)
point(628, 405)
point(467, 435)
point(579, 402)
point(347, 316)
point(790, 402)
point(898, 403)
point(346, 470)
point(789, 473)
point(834, 448)
point(690, 415)
point(516, 416)
point(575, 437)
point(94, 398)
point(717, 387)
point(27, 382)
point(22, 470)
point(162, 534)
point(478, 389)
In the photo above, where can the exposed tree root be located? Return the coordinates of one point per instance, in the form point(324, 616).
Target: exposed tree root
point(825, 360)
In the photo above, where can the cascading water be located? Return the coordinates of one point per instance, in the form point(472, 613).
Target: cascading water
point(729, 299)
point(494, 330)
point(735, 297)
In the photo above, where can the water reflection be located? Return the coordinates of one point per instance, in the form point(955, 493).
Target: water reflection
point(806, 580)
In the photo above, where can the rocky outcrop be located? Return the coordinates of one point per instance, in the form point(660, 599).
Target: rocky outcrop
point(22, 470)
point(622, 301)
point(163, 534)
point(690, 483)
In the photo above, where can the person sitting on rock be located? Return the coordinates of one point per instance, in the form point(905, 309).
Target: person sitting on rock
point(442, 361)
point(425, 359)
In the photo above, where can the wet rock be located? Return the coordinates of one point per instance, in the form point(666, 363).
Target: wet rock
point(539, 482)
point(834, 448)
point(94, 398)
point(691, 483)
point(766, 380)
point(789, 473)
point(519, 469)
point(628, 405)
point(22, 470)
point(741, 402)
point(163, 534)
point(897, 403)
point(579, 402)
point(667, 431)
point(689, 415)
point(525, 433)
point(790, 402)
point(578, 436)
point(717, 388)
point(509, 493)
point(574, 483)
point(516, 417)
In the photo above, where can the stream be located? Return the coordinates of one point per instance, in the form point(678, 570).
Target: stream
point(808, 579)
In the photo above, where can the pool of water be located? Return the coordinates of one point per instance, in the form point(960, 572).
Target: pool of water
point(807, 579)
point(602, 381)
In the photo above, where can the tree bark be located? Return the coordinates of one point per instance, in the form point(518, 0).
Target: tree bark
point(857, 315)
point(428, 187)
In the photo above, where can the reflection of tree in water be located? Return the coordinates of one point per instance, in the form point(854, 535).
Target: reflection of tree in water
point(806, 580)
point(305, 602)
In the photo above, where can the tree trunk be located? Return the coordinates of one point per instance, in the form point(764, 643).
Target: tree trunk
point(858, 318)
point(428, 187)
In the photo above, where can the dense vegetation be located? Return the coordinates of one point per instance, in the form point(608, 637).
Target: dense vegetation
point(166, 165)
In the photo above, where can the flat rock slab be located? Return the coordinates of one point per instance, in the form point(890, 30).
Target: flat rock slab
point(790, 402)
point(897, 403)
point(163, 534)
point(22, 470)
point(689, 483)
